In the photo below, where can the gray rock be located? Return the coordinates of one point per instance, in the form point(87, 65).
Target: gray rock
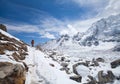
point(3, 27)
point(67, 70)
point(11, 73)
point(92, 80)
point(100, 60)
point(76, 78)
point(105, 78)
point(2, 74)
point(115, 63)
point(64, 64)
point(62, 58)
point(94, 63)
point(52, 65)
point(75, 65)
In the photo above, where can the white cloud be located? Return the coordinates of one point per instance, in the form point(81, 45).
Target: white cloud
point(30, 29)
point(93, 3)
point(94, 6)
point(67, 26)
point(69, 30)
point(72, 30)
point(104, 8)
point(48, 35)
point(51, 24)
point(83, 25)
point(23, 28)
point(112, 8)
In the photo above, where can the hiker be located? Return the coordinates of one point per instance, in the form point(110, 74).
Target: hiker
point(32, 43)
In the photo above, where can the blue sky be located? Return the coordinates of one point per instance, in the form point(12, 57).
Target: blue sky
point(43, 20)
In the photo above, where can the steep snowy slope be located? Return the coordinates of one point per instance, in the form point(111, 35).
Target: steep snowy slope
point(106, 29)
point(12, 53)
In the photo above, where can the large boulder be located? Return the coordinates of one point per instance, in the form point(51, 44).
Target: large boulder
point(115, 63)
point(12, 73)
point(3, 27)
point(76, 65)
point(105, 78)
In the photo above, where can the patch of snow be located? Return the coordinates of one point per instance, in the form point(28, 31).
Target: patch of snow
point(7, 34)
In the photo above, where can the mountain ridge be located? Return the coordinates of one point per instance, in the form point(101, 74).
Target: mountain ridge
point(104, 30)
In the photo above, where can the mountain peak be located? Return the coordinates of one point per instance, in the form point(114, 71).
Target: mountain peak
point(104, 30)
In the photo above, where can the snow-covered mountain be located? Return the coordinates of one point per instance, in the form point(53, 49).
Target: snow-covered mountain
point(63, 61)
point(104, 30)
point(90, 57)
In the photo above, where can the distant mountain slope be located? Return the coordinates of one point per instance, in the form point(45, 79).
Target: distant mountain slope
point(104, 30)
point(90, 55)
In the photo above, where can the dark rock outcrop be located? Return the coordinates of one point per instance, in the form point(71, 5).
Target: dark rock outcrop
point(115, 63)
point(3, 27)
point(105, 78)
point(76, 78)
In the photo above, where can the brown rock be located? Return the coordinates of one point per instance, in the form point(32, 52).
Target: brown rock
point(2, 52)
point(3, 27)
point(105, 78)
point(92, 80)
point(24, 47)
point(15, 56)
point(7, 46)
point(11, 73)
point(18, 56)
